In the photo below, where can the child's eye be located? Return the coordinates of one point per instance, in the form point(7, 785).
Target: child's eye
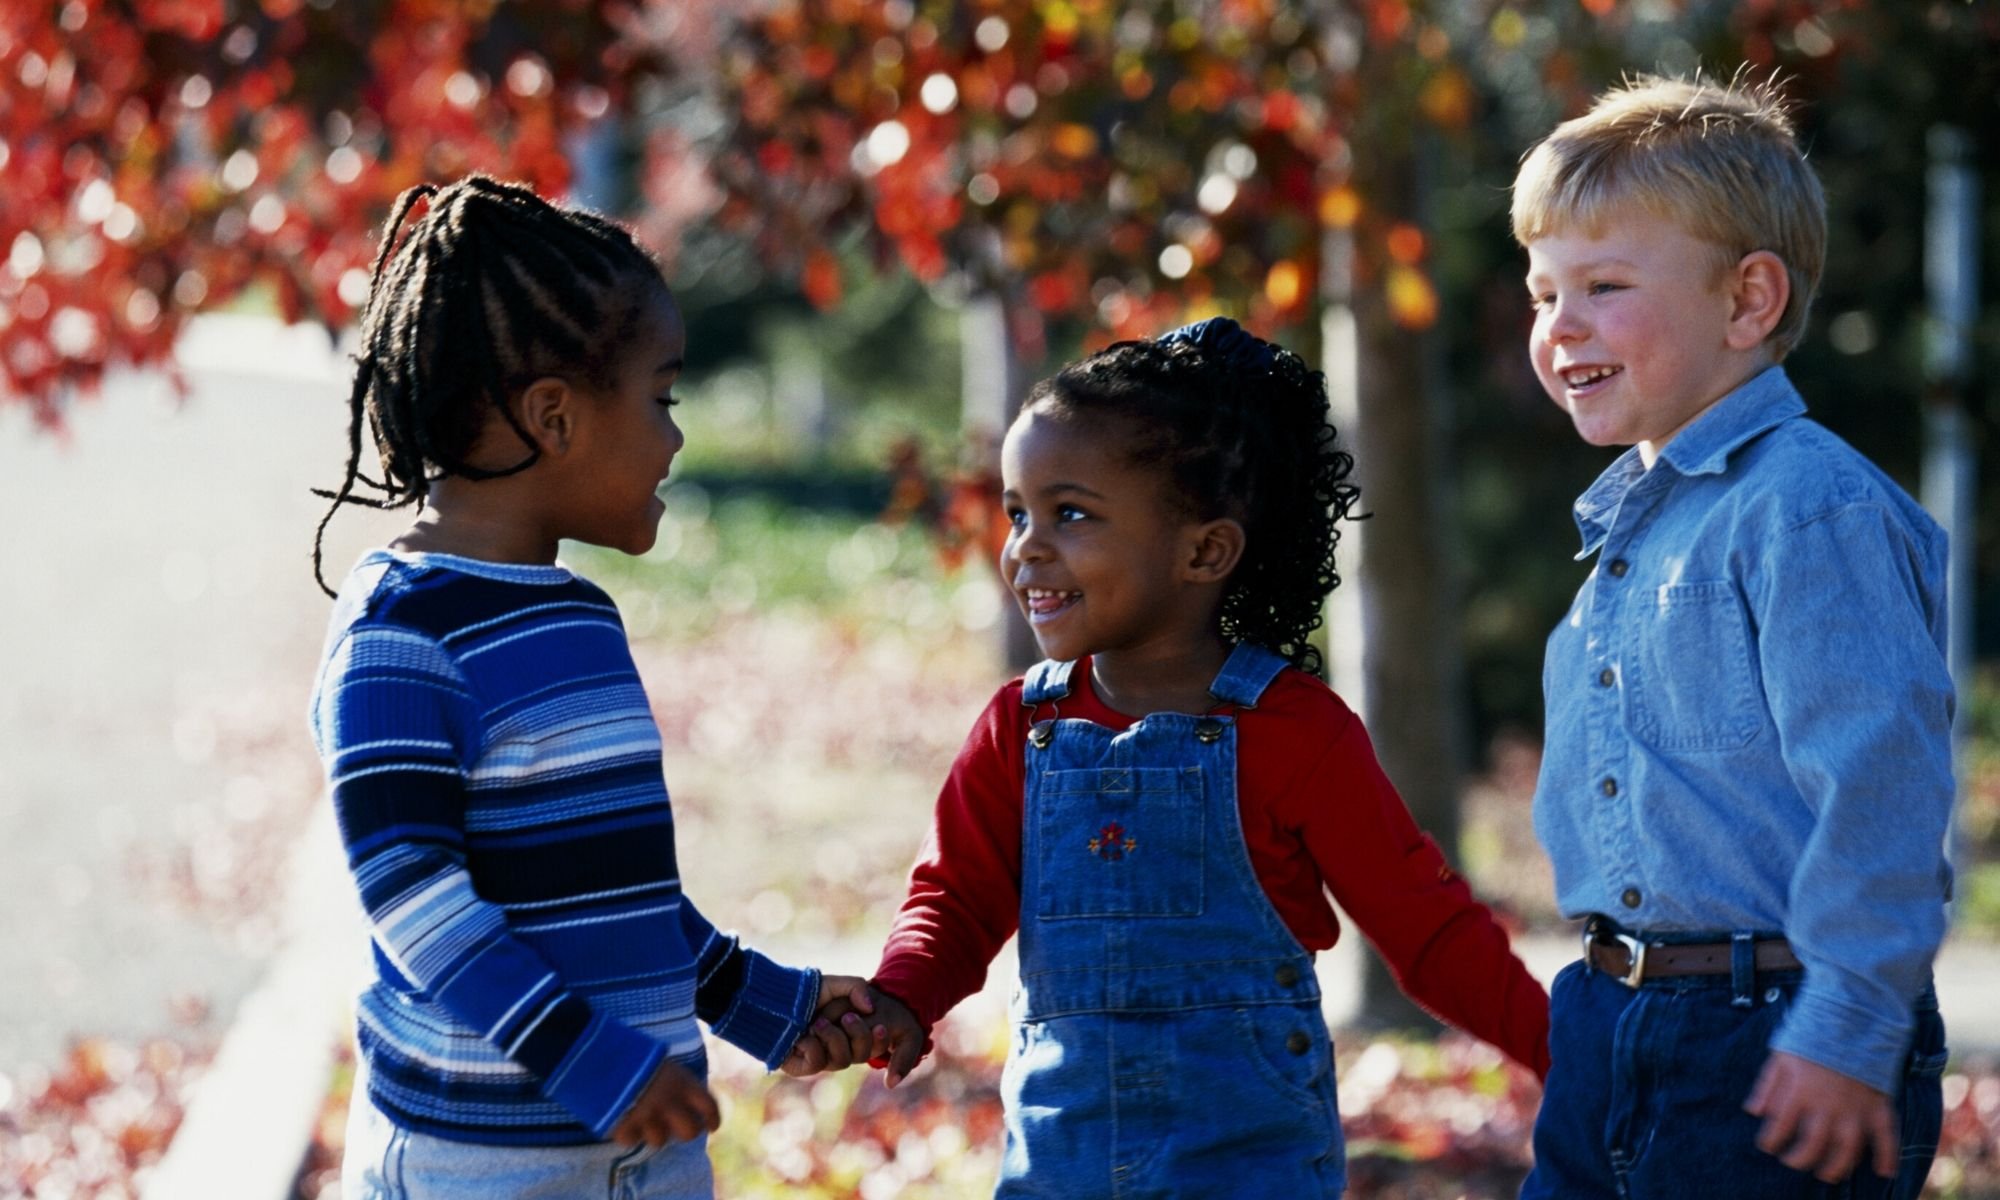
point(1539, 301)
point(1016, 518)
point(667, 401)
point(1601, 288)
point(1070, 512)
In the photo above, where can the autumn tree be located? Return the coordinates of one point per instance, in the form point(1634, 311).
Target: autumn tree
point(161, 157)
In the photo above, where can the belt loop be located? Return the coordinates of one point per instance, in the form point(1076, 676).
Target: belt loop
point(1743, 968)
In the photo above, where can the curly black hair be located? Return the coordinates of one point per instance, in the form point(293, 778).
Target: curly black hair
point(1241, 428)
point(492, 288)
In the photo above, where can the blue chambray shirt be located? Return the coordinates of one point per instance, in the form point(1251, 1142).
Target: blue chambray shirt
point(1749, 715)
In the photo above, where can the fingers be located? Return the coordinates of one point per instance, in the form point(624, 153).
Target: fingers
point(1815, 1140)
point(1759, 1102)
point(692, 1113)
point(1844, 1145)
point(674, 1107)
point(1882, 1132)
point(1818, 1121)
point(851, 988)
point(904, 1057)
point(808, 1057)
point(1781, 1123)
point(838, 1049)
point(706, 1110)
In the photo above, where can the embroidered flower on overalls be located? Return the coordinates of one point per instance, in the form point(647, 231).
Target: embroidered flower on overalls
point(1113, 843)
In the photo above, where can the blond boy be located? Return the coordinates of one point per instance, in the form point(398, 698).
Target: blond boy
point(1747, 780)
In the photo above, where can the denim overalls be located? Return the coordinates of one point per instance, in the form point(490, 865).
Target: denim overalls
point(1168, 1038)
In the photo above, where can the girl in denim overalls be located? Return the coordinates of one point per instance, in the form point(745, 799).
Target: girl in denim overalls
point(1159, 808)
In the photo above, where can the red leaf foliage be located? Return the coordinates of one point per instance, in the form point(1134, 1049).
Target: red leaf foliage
point(158, 157)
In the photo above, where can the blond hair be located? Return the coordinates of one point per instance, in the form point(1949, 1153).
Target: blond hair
point(1719, 160)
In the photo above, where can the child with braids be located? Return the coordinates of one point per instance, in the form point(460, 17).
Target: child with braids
point(530, 1027)
point(1159, 809)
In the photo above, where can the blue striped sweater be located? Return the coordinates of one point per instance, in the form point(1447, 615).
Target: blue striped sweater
point(496, 774)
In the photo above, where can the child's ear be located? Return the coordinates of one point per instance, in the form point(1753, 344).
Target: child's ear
point(549, 409)
point(1760, 287)
point(1214, 549)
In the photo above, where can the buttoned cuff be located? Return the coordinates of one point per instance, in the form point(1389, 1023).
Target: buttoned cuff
point(771, 1009)
point(1846, 1038)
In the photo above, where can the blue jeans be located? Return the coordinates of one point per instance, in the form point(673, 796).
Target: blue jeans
point(1645, 1093)
point(384, 1161)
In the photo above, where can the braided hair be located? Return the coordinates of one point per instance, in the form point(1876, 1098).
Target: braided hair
point(492, 288)
point(1239, 426)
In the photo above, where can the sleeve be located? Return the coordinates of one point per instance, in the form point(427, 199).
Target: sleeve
point(1446, 950)
point(398, 728)
point(749, 1001)
point(964, 897)
point(1861, 695)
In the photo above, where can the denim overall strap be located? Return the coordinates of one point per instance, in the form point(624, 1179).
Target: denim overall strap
point(1168, 1037)
point(1248, 671)
point(1046, 680)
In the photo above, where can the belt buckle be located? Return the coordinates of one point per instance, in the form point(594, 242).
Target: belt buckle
point(1635, 952)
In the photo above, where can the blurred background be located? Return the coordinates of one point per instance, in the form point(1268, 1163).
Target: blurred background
point(884, 222)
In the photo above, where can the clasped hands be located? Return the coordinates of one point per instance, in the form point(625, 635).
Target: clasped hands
point(858, 1023)
point(853, 1023)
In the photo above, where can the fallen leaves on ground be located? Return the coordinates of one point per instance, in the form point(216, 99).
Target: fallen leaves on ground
point(91, 1127)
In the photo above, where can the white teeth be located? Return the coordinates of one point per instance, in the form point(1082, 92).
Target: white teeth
point(1585, 376)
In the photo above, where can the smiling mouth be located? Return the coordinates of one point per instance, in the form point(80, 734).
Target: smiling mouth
point(1044, 604)
point(1579, 379)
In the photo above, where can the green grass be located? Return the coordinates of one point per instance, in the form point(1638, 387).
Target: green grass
point(723, 558)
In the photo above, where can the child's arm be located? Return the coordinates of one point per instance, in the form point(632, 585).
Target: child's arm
point(964, 897)
point(397, 726)
point(1444, 947)
point(1849, 648)
point(748, 1000)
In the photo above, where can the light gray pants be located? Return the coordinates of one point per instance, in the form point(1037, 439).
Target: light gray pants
point(387, 1162)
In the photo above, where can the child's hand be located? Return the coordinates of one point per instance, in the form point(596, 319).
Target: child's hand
point(896, 1025)
point(838, 1038)
point(674, 1107)
point(838, 1035)
point(1818, 1120)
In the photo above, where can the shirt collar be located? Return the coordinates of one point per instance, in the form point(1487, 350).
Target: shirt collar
point(1755, 406)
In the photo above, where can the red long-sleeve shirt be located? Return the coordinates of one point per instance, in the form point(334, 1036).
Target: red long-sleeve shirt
point(1317, 814)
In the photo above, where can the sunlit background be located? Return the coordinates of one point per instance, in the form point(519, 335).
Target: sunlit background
point(884, 221)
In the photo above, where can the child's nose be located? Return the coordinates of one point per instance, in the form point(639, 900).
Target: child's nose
point(1562, 324)
point(1027, 544)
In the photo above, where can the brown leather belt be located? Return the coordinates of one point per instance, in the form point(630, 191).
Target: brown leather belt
point(1632, 961)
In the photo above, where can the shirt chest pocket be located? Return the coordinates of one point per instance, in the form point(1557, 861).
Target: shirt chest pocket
point(1691, 677)
point(1119, 842)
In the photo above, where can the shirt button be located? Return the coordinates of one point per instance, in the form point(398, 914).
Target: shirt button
point(1618, 568)
point(1629, 898)
point(1610, 786)
point(1288, 975)
point(1607, 677)
point(1299, 1042)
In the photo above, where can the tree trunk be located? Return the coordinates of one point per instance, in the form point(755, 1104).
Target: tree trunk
point(1400, 600)
point(1951, 456)
point(990, 391)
